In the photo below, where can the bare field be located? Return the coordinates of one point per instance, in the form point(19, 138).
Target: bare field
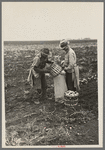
point(33, 124)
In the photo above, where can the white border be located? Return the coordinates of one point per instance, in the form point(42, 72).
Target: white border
point(100, 99)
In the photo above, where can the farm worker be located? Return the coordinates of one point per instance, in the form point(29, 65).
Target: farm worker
point(70, 66)
point(38, 70)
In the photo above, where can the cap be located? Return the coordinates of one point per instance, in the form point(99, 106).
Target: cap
point(63, 43)
point(45, 51)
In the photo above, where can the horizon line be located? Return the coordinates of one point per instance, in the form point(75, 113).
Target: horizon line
point(46, 40)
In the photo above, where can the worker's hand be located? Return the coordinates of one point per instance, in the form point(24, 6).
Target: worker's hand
point(46, 70)
point(63, 72)
point(52, 61)
point(65, 68)
point(62, 62)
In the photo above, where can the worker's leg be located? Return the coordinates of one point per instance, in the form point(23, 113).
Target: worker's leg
point(69, 82)
point(43, 86)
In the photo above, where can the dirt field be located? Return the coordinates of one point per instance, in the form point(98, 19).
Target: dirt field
point(28, 123)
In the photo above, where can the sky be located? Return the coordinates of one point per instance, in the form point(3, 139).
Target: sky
point(34, 21)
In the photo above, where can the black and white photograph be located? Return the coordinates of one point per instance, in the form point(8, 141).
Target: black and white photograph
point(52, 74)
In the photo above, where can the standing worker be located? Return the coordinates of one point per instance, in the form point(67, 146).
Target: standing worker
point(70, 66)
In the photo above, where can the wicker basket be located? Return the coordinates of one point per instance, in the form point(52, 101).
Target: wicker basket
point(70, 100)
point(55, 69)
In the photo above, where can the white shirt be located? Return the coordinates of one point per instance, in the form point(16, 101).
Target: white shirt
point(70, 60)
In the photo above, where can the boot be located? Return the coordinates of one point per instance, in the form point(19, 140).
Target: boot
point(39, 91)
point(43, 96)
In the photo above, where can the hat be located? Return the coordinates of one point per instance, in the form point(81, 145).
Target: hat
point(63, 43)
point(45, 51)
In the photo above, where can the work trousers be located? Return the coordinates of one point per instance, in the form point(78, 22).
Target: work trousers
point(43, 84)
point(70, 82)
